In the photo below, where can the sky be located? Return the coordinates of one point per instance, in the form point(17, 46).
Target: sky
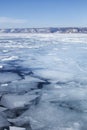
point(43, 13)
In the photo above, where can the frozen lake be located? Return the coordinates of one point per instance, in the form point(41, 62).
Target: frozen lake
point(43, 81)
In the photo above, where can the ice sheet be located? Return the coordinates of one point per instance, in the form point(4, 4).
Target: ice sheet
point(43, 81)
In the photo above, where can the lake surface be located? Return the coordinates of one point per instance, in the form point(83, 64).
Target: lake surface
point(43, 81)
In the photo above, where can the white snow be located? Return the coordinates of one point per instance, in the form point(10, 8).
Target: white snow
point(1, 66)
point(10, 58)
point(17, 128)
point(7, 77)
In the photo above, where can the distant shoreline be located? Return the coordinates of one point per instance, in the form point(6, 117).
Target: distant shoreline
point(62, 30)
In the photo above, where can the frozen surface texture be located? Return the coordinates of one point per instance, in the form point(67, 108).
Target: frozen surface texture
point(43, 81)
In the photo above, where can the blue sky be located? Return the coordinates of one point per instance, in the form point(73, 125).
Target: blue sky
point(43, 13)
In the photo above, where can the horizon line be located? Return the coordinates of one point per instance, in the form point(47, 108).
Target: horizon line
point(41, 27)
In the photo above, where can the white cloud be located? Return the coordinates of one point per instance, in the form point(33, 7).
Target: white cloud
point(8, 20)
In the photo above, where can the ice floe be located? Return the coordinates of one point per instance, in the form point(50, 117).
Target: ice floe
point(12, 101)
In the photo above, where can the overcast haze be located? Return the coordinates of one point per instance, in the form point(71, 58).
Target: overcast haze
point(43, 13)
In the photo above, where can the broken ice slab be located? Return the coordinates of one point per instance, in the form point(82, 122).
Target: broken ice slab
point(28, 122)
point(3, 121)
point(54, 76)
point(52, 86)
point(13, 101)
point(75, 126)
point(18, 87)
point(16, 128)
point(67, 97)
point(8, 77)
point(46, 116)
point(64, 93)
point(2, 109)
